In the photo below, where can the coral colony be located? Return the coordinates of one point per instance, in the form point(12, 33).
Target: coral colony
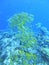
point(21, 46)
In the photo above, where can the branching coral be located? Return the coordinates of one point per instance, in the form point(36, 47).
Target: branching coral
point(25, 34)
point(19, 21)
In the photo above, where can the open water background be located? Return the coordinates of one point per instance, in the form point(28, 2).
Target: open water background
point(39, 8)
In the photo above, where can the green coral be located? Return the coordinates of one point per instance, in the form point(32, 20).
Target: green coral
point(18, 20)
point(25, 34)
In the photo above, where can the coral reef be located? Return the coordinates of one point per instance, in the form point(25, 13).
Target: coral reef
point(21, 46)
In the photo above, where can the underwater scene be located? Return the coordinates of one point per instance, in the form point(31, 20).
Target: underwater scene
point(24, 32)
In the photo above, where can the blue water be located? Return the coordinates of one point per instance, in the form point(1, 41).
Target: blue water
point(35, 46)
point(39, 8)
